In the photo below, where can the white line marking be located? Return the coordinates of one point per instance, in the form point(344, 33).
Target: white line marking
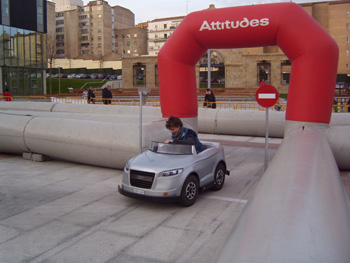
point(227, 199)
point(267, 96)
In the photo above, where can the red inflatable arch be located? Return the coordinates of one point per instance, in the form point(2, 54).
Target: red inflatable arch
point(313, 53)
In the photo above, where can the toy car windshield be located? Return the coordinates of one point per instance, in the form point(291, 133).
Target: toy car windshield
point(170, 148)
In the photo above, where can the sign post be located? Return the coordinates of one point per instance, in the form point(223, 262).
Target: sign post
point(143, 92)
point(266, 96)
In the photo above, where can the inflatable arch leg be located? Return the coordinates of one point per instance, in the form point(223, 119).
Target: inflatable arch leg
point(313, 53)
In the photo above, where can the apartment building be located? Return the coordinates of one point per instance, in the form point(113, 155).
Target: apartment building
point(131, 41)
point(89, 29)
point(65, 5)
point(159, 30)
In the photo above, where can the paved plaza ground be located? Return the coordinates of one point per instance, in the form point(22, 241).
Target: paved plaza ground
point(57, 211)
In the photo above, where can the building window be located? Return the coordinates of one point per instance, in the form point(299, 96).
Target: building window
point(99, 30)
point(347, 52)
point(139, 74)
point(165, 26)
point(5, 12)
point(347, 13)
point(99, 38)
point(40, 15)
point(347, 27)
point(285, 71)
point(347, 39)
point(135, 35)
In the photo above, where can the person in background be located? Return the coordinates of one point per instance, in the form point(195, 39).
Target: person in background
point(85, 94)
point(211, 100)
point(182, 135)
point(107, 94)
point(8, 95)
point(91, 96)
point(206, 98)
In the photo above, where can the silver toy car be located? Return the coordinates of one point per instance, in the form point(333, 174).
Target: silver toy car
point(174, 172)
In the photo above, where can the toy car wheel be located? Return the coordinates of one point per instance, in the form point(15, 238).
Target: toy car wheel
point(189, 192)
point(219, 177)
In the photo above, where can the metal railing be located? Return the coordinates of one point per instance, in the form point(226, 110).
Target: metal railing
point(24, 98)
point(340, 108)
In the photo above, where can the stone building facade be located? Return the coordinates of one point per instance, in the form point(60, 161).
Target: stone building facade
point(245, 68)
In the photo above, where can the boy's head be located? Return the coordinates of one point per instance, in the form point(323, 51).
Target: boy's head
point(173, 124)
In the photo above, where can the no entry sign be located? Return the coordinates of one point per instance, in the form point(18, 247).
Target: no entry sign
point(266, 96)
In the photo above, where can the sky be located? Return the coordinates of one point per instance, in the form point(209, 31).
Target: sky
point(151, 9)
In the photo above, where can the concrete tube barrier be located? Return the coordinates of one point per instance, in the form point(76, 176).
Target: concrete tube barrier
point(299, 211)
point(245, 123)
point(27, 106)
point(90, 142)
point(219, 121)
point(106, 109)
point(12, 128)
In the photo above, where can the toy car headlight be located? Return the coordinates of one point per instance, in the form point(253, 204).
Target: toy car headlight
point(173, 172)
point(126, 168)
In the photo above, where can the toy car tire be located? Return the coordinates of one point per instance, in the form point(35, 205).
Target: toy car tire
point(189, 192)
point(219, 177)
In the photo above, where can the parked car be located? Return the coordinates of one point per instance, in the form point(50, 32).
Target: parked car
point(174, 172)
point(83, 76)
point(113, 77)
point(94, 76)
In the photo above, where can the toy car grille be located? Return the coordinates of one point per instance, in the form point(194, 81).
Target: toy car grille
point(141, 179)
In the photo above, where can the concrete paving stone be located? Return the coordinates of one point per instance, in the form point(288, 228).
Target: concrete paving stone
point(199, 216)
point(36, 242)
point(92, 214)
point(52, 210)
point(98, 247)
point(125, 258)
point(211, 247)
point(28, 200)
point(139, 222)
point(7, 233)
point(164, 244)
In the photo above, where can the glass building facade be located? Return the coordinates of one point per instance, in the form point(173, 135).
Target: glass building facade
point(23, 59)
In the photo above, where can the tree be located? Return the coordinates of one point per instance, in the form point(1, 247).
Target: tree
point(51, 54)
